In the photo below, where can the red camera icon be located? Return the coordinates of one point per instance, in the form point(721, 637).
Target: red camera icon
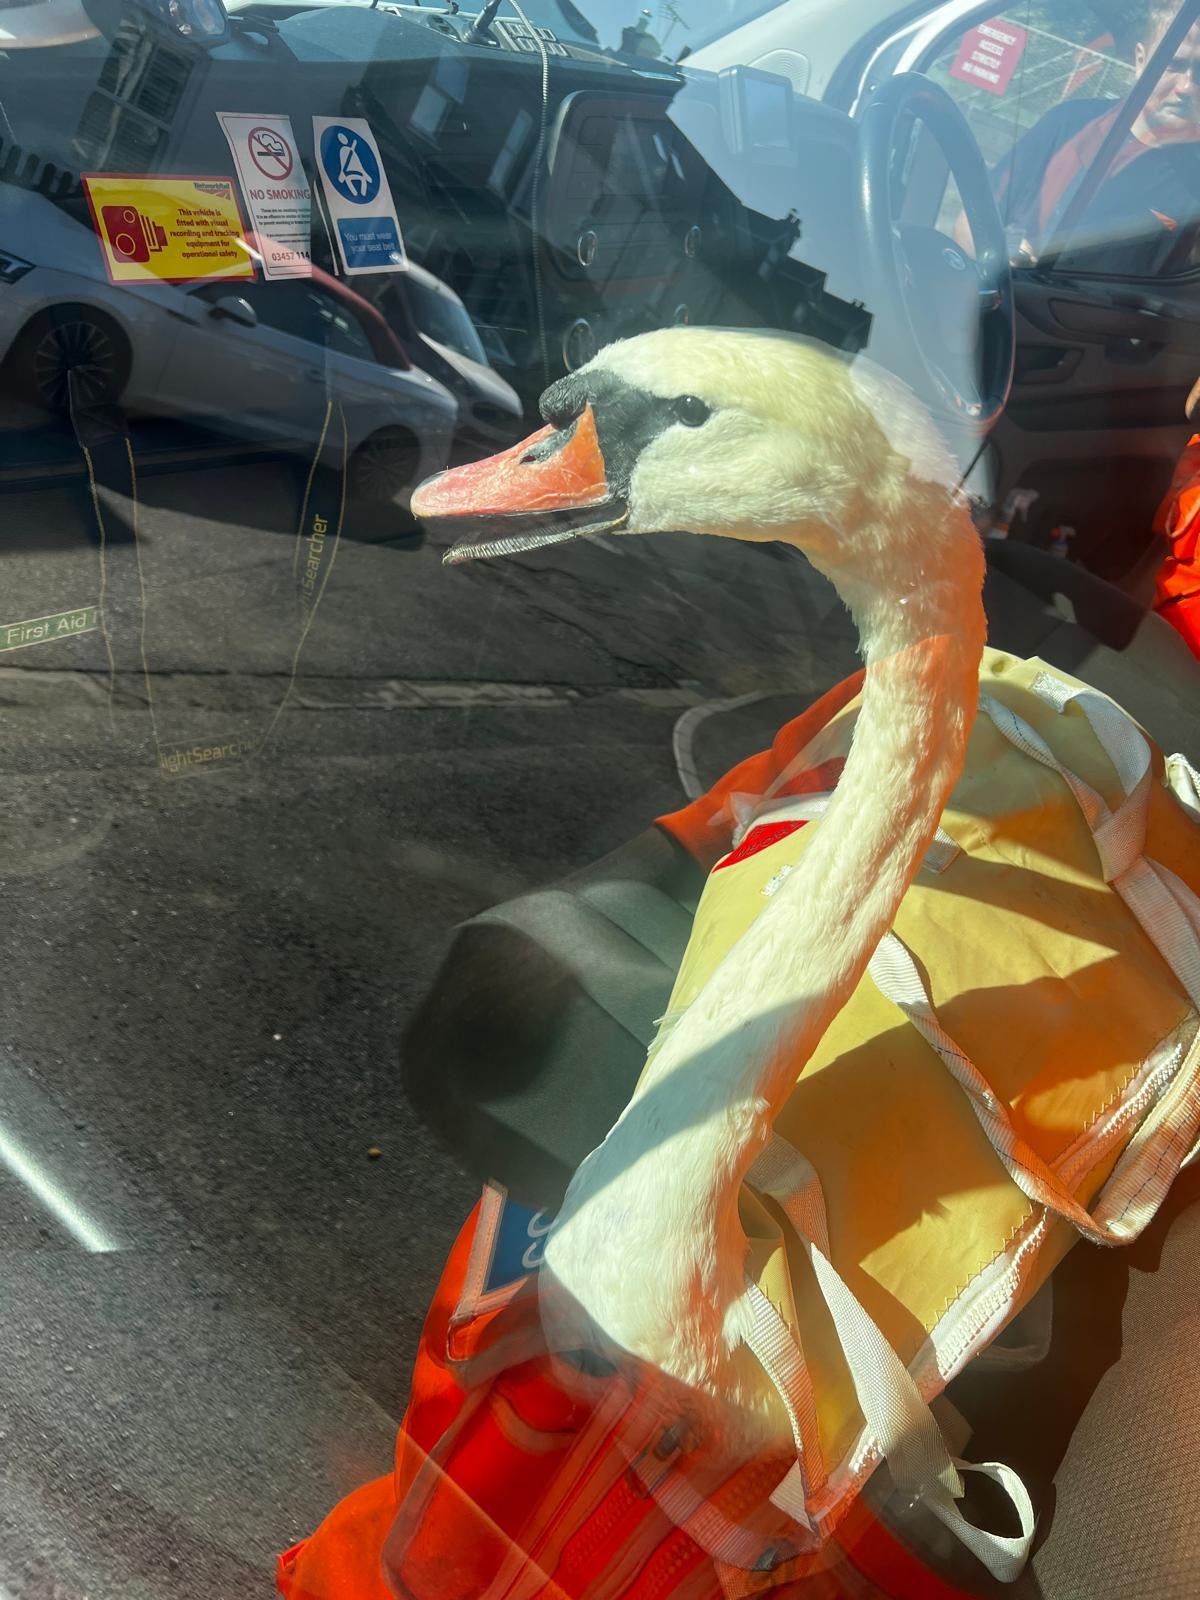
point(131, 234)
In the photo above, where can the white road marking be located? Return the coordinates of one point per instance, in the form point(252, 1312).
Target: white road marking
point(29, 1170)
point(66, 1169)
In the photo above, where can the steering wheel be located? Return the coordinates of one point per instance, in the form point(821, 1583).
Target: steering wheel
point(951, 314)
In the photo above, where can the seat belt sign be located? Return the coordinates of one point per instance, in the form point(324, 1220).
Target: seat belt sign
point(357, 196)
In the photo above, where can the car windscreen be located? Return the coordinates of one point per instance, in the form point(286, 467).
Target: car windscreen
point(617, 24)
point(565, 576)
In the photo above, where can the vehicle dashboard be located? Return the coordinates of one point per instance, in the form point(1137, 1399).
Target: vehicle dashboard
point(665, 195)
point(567, 207)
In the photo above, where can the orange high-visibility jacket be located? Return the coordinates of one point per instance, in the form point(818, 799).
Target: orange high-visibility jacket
point(517, 1476)
point(1177, 594)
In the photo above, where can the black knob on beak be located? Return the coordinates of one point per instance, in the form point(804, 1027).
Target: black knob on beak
point(563, 402)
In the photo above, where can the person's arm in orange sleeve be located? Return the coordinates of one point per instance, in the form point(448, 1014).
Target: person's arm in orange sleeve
point(1177, 589)
point(705, 827)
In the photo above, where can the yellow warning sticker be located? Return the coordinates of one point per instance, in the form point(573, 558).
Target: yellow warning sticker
point(168, 230)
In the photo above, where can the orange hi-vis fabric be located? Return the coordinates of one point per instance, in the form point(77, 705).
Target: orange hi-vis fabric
point(519, 1478)
point(1177, 594)
point(705, 827)
point(1065, 869)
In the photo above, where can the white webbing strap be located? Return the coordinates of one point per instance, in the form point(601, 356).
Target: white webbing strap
point(1117, 732)
point(1162, 918)
point(694, 1512)
point(778, 1353)
point(1018, 732)
point(1189, 904)
point(1035, 1323)
point(1184, 783)
point(1004, 1557)
point(1120, 835)
point(897, 1418)
point(1168, 1119)
point(895, 975)
point(1187, 901)
point(791, 1181)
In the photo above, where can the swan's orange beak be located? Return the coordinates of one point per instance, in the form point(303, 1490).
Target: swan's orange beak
point(550, 487)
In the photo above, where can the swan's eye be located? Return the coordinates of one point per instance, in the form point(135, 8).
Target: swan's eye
point(691, 410)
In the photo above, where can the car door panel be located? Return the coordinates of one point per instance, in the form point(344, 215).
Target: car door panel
point(259, 381)
point(1109, 312)
point(1105, 360)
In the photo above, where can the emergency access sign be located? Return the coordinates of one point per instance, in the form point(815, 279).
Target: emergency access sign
point(989, 54)
point(167, 230)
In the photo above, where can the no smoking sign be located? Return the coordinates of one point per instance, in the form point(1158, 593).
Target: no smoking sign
point(271, 153)
point(276, 190)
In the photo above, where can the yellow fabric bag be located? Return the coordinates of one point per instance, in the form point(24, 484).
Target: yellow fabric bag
point(1019, 1068)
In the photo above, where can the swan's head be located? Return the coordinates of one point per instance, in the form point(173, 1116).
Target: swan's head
point(746, 434)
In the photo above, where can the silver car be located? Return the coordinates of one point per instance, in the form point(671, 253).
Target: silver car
point(254, 360)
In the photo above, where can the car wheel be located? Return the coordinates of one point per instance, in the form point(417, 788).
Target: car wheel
point(71, 340)
point(384, 467)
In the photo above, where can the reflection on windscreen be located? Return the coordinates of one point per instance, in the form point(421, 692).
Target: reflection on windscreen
point(309, 920)
point(442, 317)
point(651, 31)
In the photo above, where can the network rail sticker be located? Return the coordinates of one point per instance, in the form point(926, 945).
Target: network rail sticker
point(356, 190)
point(168, 230)
point(275, 189)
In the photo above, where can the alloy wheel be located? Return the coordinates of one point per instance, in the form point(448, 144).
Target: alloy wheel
point(80, 347)
point(384, 467)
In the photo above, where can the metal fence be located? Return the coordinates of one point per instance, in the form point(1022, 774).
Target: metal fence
point(1051, 69)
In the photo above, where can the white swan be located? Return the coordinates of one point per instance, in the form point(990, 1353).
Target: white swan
point(759, 437)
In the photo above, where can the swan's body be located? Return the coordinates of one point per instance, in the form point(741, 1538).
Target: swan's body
point(786, 442)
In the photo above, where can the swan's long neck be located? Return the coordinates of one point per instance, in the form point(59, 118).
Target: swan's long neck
point(665, 1182)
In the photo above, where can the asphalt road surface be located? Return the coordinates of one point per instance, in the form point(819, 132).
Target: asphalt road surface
point(231, 855)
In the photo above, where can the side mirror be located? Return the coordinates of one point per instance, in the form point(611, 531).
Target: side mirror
point(237, 309)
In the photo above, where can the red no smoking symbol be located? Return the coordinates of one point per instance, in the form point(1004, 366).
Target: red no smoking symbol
point(270, 153)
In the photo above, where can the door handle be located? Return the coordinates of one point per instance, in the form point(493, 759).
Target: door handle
point(1109, 321)
point(1040, 364)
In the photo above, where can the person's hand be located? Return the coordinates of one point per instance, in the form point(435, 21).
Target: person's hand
point(1020, 251)
point(1193, 401)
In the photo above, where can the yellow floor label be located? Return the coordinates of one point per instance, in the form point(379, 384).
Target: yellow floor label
point(185, 756)
point(44, 630)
